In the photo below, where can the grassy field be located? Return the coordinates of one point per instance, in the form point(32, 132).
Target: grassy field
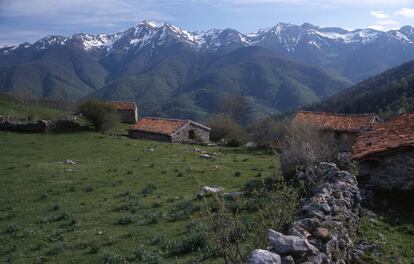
point(17, 108)
point(393, 237)
point(120, 194)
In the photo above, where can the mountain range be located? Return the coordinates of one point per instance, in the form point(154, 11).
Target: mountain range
point(172, 72)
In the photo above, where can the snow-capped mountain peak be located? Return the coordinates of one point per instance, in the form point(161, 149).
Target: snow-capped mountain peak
point(283, 37)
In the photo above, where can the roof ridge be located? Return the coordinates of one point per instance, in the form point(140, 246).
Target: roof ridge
point(336, 114)
point(167, 119)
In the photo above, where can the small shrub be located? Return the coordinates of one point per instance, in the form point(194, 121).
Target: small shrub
point(94, 248)
point(237, 174)
point(182, 210)
point(148, 189)
point(303, 145)
point(162, 242)
point(157, 204)
point(125, 220)
point(150, 218)
point(89, 189)
point(195, 239)
point(110, 258)
point(148, 256)
point(11, 229)
point(44, 196)
point(55, 249)
point(55, 207)
point(55, 236)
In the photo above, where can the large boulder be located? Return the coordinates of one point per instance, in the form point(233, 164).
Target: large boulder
point(207, 191)
point(260, 256)
point(289, 245)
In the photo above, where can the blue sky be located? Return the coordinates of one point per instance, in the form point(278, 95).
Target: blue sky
point(30, 20)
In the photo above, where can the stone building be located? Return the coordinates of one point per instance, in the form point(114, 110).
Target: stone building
point(128, 111)
point(343, 128)
point(170, 130)
point(385, 154)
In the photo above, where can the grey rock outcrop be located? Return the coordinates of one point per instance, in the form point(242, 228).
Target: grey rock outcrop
point(206, 191)
point(260, 256)
point(287, 245)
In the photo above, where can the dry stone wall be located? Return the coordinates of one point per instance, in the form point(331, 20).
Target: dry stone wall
point(324, 227)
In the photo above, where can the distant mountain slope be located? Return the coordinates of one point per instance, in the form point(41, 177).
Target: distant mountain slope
point(61, 72)
point(170, 70)
point(391, 92)
point(188, 84)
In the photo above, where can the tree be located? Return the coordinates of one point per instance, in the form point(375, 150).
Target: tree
point(101, 115)
point(236, 106)
point(225, 128)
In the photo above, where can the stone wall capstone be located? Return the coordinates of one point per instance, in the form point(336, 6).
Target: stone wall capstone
point(326, 224)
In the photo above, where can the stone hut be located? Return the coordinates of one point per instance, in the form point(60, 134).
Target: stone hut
point(385, 154)
point(170, 130)
point(344, 128)
point(128, 111)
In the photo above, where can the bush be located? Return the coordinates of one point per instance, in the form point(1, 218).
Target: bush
point(148, 256)
point(101, 115)
point(125, 220)
point(182, 210)
point(265, 131)
point(225, 129)
point(304, 145)
point(195, 239)
point(110, 258)
point(235, 231)
point(148, 189)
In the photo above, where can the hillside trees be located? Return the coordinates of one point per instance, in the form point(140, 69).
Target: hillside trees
point(101, 115)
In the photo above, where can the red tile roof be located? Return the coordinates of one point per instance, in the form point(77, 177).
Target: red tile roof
point(338, 122)
point(391, 135)
point(124, 105)
point(163, 125)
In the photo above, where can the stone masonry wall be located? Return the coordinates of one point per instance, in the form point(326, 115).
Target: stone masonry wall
point(128, 116)
point(324, 227)
point(392, 171)
point(149, 136)
point(183, 136)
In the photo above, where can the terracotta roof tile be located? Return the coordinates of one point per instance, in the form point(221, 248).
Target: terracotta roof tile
point(124, 105)
point(396, 133)
point(338, 122)
point(159, 125)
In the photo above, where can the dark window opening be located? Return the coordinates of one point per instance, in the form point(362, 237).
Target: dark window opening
point(191, 134)
point(337, 135)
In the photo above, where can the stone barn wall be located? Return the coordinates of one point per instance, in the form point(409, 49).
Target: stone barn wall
point(128, 116)
point(391, 171)
point(149, 136)
point(192, 134)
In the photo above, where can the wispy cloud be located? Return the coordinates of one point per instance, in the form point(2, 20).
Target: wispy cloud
point(405, 12)
point(379, 14)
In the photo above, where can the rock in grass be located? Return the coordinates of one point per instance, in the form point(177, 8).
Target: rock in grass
point(289, 245)
point(70, 162)
point(206, 191)
point(260, 256)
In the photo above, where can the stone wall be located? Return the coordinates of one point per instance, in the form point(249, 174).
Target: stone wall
point(324, 227)
point(394, 171)
point(149, 136)
point(40, 126)
point(200, 135)
point(128, 116)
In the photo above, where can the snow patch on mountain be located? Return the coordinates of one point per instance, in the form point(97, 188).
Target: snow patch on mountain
point(282, 36)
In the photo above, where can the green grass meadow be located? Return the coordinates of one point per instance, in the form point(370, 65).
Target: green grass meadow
point(119, 195)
